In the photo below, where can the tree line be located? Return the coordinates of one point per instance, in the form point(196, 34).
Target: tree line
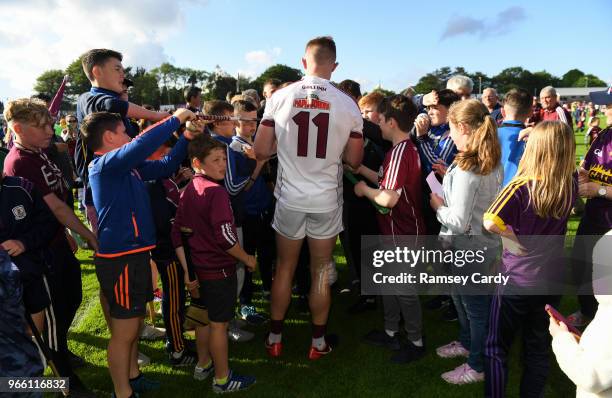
point(509, 78)
point(165, 83)
point(162, 85)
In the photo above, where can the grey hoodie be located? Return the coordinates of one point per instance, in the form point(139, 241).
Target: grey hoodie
point(467, 196)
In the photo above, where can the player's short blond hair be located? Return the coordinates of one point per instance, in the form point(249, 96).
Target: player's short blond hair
point(29, 111)
point(323, 49)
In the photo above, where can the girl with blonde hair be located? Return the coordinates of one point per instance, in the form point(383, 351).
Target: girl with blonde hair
point(531, 216)
point(470, 186)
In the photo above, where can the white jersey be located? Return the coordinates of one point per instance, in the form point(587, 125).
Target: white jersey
point(313, 121)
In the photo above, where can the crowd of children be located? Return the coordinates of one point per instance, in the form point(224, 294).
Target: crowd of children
point(206, 203)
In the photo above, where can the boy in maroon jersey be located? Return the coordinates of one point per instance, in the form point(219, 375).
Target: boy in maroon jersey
point(205, 208)
point(30, 121)
point(399, 188)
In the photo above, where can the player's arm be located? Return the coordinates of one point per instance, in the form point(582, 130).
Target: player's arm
point(382, 197)
point(66, 217)
point(265, 140)
point(353, 151)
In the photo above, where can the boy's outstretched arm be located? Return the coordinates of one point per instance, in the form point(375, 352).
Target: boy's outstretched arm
point(133, 154)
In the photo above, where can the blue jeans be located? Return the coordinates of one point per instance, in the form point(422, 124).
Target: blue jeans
point(473, 316)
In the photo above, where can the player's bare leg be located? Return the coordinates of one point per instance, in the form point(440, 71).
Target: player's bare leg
point(320, 298)
point(288, 251)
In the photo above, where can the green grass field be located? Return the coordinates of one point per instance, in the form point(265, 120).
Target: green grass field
point(353, 369)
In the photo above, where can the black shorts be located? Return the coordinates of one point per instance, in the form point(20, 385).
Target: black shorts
point(126, 284)
point(32, 273)
point(219, 296)
point(35, 294)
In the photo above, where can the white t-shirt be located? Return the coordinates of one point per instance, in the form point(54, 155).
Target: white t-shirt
point(313, 121)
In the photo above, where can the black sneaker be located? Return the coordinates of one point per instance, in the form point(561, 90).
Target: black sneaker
point(450, 314)
point(437, 303)
point(362, 305)
point(408, 353)
point(186, 358)
point(380, 338)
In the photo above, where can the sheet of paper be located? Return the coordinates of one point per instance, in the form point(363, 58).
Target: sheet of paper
point(434, 184)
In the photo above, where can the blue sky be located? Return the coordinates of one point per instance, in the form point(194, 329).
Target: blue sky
point(387, 42)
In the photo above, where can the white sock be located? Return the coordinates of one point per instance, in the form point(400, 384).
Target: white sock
point(319, 342)
point(274, 338)
point(178, 354)
point(390, 333)
point(418, 343)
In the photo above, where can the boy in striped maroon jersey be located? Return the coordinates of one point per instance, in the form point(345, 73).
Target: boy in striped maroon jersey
point(399, 188)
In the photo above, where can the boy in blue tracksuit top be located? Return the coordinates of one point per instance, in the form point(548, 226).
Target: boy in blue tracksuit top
point(257, 205)
point(517, 109)
point(126, 230)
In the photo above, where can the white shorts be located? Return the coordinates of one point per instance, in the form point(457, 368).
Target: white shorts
point(296, 225)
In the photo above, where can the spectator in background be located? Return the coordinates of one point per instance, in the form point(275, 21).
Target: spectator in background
point(408, 92)
point(69, 134)
point(517, 108)
point(536, 107)
point(551, 109)
point(251, 95)
point(270, 86)
point(193, 98)
point(491, 100)
point(593, 131)
point(579, 116)
point(459, 84)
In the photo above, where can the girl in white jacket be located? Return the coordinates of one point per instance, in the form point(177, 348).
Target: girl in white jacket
point(588, 363)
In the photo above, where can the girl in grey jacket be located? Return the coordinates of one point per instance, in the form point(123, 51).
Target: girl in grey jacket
point(470, 186)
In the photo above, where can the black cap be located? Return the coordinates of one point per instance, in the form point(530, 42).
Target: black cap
point(128, 83)
point(602, 97)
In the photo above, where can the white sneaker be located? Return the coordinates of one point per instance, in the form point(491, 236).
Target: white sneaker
point(143, 360)
point(463, 374)
point(152, 333)
point(453, 349)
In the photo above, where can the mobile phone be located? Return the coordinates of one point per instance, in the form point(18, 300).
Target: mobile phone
point(556, 315)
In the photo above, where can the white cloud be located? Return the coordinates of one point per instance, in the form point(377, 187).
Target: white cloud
point(40, 35)
point(503, 23)
point(258, 60)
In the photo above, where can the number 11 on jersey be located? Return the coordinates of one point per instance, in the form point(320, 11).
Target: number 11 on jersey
point(321, 120)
